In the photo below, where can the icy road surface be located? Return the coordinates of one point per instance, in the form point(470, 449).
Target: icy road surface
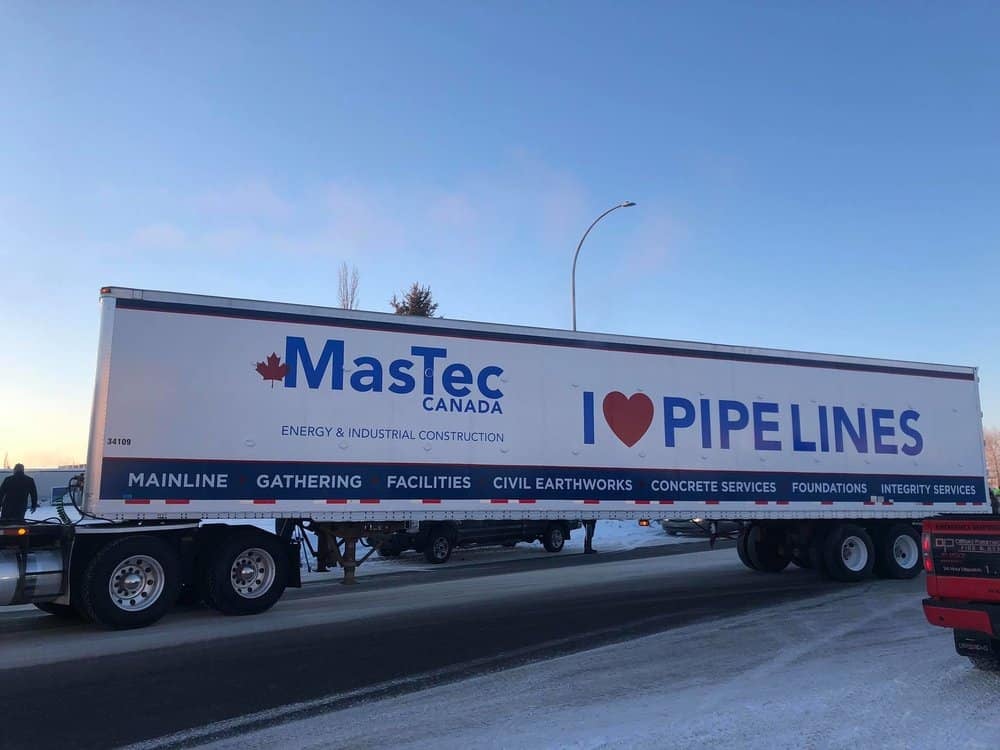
point(856, 668)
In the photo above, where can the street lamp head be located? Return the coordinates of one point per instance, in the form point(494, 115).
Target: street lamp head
point(628, 204)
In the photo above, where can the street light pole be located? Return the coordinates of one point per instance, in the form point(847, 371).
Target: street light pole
point(626, 204)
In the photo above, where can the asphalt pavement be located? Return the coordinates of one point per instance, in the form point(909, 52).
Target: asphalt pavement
point(69, 685)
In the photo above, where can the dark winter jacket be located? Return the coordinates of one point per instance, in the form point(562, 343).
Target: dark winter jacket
point(14, 494)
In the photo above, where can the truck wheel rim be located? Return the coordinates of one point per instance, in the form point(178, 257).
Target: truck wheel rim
point(556, 537)
point(253, 573)
point(905, 552)
point(854, 553)
point(136, 583)
point(440, 548)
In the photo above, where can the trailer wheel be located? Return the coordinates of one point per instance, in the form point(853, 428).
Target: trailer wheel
point(848, 553)
point(439, 545)
point(247, 574)
point(741, 547)
point(765, 551)
point(131, 582)
point(897, 552)
point(554, 538)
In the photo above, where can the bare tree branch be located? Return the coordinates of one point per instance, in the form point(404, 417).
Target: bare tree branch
point(992, 441)
point(348, 286)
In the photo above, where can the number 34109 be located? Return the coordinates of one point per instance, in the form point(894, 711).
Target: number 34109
point(119, 441)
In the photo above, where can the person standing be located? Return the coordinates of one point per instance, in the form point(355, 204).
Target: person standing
point(14, 493)
point(589, 526)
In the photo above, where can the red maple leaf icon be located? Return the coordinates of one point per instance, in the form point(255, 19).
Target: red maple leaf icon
point(272, 369)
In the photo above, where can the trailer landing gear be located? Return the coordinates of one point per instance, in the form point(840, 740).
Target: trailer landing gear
point(337, 545)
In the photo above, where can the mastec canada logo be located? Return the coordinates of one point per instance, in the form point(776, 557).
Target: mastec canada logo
point(445, 386)
point(713, 423)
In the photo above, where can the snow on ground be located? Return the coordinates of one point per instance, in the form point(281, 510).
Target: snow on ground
point(610, 536)
point(856, 668)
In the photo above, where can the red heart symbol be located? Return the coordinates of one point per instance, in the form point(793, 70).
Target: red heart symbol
point(628, 417)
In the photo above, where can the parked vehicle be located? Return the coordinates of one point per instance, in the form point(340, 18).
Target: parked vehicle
point(700, 527)
point(962, 559)
point(354, 424)
point(437, 539)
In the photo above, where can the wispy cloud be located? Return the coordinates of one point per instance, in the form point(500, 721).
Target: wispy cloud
point(520, 211)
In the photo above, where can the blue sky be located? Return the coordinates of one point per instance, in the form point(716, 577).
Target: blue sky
point(808, 176)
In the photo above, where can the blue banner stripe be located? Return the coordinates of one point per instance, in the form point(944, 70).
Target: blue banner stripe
point(234, 480)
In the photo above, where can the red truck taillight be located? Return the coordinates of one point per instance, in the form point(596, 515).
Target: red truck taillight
point(926, 545)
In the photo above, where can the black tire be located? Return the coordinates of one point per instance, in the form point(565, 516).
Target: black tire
point(765, 551)
point(389, 552)
point(847, 539)
point(62, 611)
point(554, 538)
point(117, 564)
point(439, 545)
point(257, 584)
point(897, 552)
point(741, 547)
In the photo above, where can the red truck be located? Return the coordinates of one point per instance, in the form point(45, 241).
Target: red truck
point(962, 561)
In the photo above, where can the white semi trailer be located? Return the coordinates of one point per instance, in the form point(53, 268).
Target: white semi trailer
point(355, 424)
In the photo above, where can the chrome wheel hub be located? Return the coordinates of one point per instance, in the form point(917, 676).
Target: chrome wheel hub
point(136, 583)
point(253, 573)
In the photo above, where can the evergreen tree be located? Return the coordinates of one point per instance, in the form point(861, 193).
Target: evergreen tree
point(417, 301)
